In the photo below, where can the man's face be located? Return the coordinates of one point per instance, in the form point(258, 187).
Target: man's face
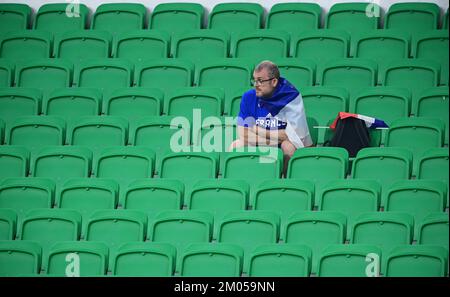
point(264, 84)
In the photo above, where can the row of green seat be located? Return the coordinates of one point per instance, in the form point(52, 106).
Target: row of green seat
point(232, 17)
point(245, 228)
point(24, 258)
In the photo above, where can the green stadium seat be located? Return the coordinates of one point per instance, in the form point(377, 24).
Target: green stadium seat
point(433, 229)
point(14, 17)
point(211, 260)
point(24, 194)
point(36, 132)
point(236, 17)
point(177, 17)
point(26, 45)
point(200, 45)
point(412, 17)
point(299, 72)
point(233, 102)
point(215, 134)
point(320, 46)
point(294, 17)
point(249, 229)
point(153, 196)
point(280, 260)
point(119, 17)
point(193, 102)
point(2, 131)
point(445, 21)
point(144, 259)
point(97, 133)
point(6, 73)
point(433, 164)
point(416, 197)
point(138, 46)
point(353, 17)
point(8, 224)
point(134, 103)
point(323, 105)
point(263, 44)
point(71, 104)
point(417, 261)
point(347, 260)
point(165, 74)
point(60, 17)
point(18, 102)
point(93, 258)
point(78, 46)
point(18, 258)
point(316, 230)
point(14, 161)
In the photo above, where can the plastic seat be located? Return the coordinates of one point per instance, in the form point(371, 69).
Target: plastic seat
point(353, 17)
point(14, 17)
point(412, 17)
point(320, 45)
point(59, 18)
point(294, 17)
point(18, 258)
point(233, 102)
point(445, 21)
point(323, 104)
point(433, 230)
point(215, 134)
point(433, 164)
point(14, 161)
point(6, 73)
point(200, 45)
point(263, 44)
point(138, 46)
point(188, 102)
point(18, 102)
point(417, 261)
point(93, 258)
point(119, 17)
point(165, 74)
point(26, 45)
point(300, 73)
point(78, 46)
point(211, 259)
point(316, 230)
point(36, 132)
point(8, 224)
point(144, 259)
point(189, 167)
point(236, 17)
point(177, 17)
point(347, 260)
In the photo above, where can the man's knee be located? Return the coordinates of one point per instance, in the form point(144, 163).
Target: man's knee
point(288, 148)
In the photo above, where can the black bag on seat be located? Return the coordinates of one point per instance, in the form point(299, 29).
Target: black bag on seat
point(351, 134)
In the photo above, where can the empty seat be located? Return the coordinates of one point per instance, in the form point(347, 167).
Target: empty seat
point(8, 224)
point(92, 259)
point(17, 102)
point(76, 46)
point(280, 260)
point(261, 45)
point(6, 73)
point(72, 103)
point(353, 17)
point(215, 134)
point(417, 261)
point(98, 133)
point(320, 45)
point(233, 102)
point(14, 161)
point(61, 17)
point(200, 45)
point(19, 258)
point(165, 74)
point(433, 229)
point(301, 73)
point(144, 259)
point(236, 17)
point(433, 164)
point(294, 17)
point(195, 102)
point(134, 103)
point(189, 167)
point(348, 260)
point(445, 21)
point(412, 17)
point(138, 46)
point(36, 132)
point(14, 17)
point(119, 17)
point(212, 259)
point(177, 17)
point(316, 230)
point(26, 45)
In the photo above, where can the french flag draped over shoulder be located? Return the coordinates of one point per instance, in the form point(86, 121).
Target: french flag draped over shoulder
point(371, 123)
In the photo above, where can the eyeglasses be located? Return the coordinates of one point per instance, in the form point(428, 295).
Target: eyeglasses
point(260, 81)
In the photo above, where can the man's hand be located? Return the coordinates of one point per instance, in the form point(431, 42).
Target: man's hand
point(259, 136)
point(277, 136)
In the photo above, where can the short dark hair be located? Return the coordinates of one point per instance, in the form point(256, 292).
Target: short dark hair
point(271, 67)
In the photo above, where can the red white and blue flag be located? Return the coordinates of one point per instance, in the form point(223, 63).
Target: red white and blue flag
point(371, 123)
